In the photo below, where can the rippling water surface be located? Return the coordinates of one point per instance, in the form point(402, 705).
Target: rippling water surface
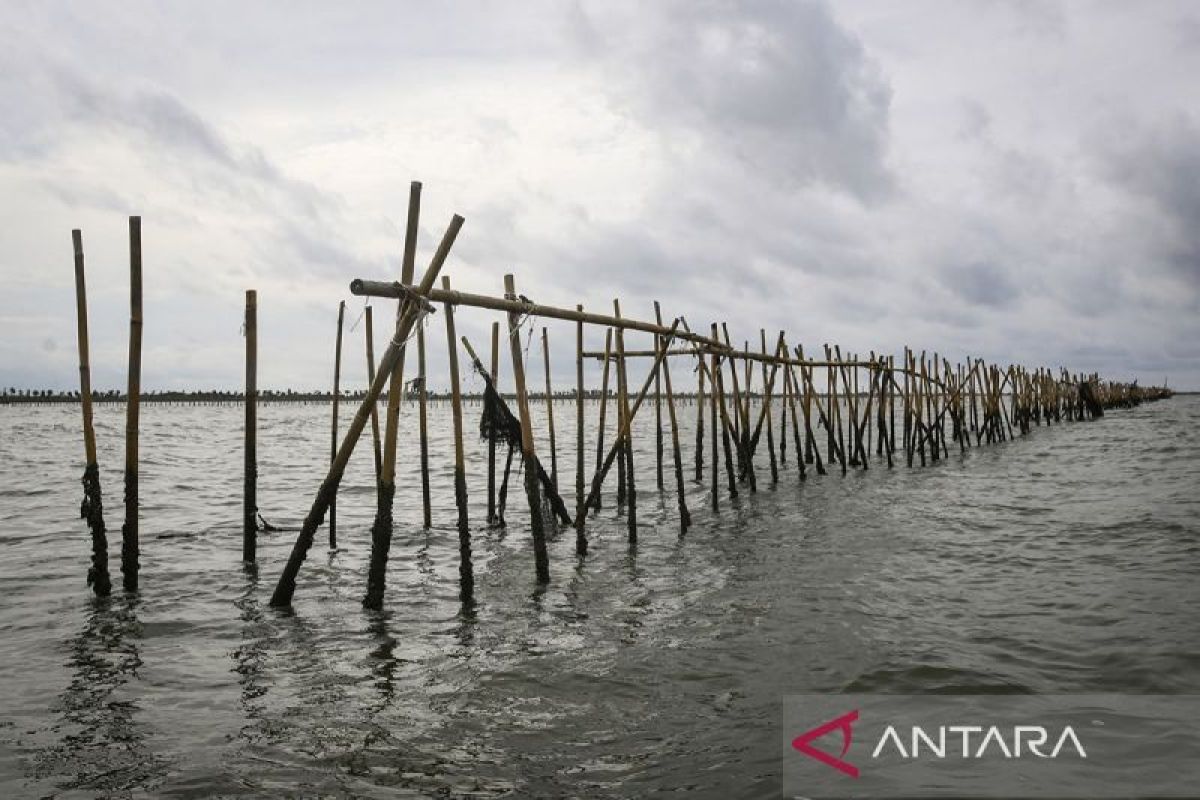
point(1065, 561)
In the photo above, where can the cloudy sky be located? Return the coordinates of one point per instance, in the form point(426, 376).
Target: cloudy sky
point(1013, 180)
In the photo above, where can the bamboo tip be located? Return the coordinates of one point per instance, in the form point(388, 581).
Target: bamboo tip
point(77, 240)
point(356, 286)
point(446, 282)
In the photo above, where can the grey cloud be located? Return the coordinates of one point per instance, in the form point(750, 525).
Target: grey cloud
point(778, 86)
point(982, 283)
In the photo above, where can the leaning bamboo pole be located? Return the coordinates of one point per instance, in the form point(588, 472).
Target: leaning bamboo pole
point(466, 574)
point(549, 410)
point(285, 589)
point(377, 449)
point(491, 476)
point(333, 432)
point(685, 518)
point(129, 532)
point(626, 438)
point(92, 507)
point(580, 510)
point(533, 491)
point(423, 431)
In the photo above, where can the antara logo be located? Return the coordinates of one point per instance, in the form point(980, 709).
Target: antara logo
point(962, 741)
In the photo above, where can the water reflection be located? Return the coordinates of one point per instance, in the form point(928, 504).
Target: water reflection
point(103, 746)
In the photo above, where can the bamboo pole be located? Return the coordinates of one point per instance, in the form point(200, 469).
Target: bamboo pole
point(92, 508)
point(658, 426)
point(333, 436)
point(250, 434)
point(491, 513)
point(533, 491)
point(685, 518)
point(700, 422)
point(550, 412)
point(423, 430)
point(377, 449)
point(714, 386)
point(466, 574)
point(627, 427)
point(580, 510)
point(387, 494)
point(285, 589)
point(129, 532)
point(603, 409)
point(767, 388)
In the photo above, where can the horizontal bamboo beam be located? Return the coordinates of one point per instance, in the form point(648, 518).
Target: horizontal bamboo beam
point(363, 288)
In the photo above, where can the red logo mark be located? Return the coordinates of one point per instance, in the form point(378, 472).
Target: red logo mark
point(842, 723)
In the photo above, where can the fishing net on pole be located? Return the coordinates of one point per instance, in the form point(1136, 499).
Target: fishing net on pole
point(497, 424)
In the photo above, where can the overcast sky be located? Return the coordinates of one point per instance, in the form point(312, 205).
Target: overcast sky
point(1013, 180)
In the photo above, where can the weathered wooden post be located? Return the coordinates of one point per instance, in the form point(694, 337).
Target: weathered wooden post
point(250, 465)
point(714, 386)
point(129, 532)
point(466, 574)
point(491, 512)
point(533, 492)
point(333, 434)
point(92, 507)
point(369, 336)
point(550, 412)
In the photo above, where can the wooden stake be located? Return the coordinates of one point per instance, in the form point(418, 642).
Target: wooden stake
point(466, 574)
point(129, 533)
point(250, 433)
point(533, 491)
point(333, 437)
point(767, 388)
point(685, 519)
point(92, 508)
point(603, 408)
point(700, 421)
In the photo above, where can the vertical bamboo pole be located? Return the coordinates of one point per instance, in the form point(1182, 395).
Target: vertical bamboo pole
point(603, 409)
point(129, 533)
point(550, 412)
point(423, 430)
point(533, 491)
point(767, 388)
point(700, 420)
point(333, 437)
point(466, 574)
point(658, 426)
point(790, 405)
point(250, 434)
point(377, 451)
point(685, 518)
point(714, 367)
point(383, 512)
point(92, 508)
point(627, 422)
point(580, 511)
point(491, 513)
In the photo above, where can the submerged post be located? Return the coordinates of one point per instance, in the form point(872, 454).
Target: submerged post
point(333, 436)
point(92, 508)
point(250, 467)
point(129, 532)
point(423, 430)
point(533, 491)
point(627, 425)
